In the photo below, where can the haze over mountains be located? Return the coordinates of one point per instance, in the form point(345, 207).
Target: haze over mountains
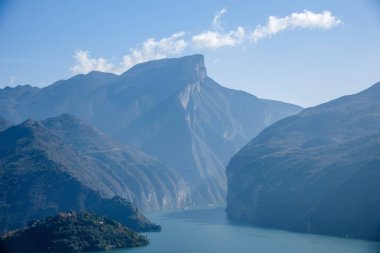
point(315, 172)
point(167, 108)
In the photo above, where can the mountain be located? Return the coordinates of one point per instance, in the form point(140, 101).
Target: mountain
point(167, 108)
point(41, 174)
point(317, 172)
point(4, 124)
point(120, 170)
point(71, 232)
point(12, 98)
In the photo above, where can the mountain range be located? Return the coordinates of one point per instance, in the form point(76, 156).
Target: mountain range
point(317, 172)
point(168, 108)
point(314, 170)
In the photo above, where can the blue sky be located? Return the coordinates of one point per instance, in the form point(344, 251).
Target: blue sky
point(310, 52)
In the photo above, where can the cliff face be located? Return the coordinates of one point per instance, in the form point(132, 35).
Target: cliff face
point(315, 172)
point(199, 125)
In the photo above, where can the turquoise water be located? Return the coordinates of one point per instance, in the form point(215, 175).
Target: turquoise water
point(207, 230)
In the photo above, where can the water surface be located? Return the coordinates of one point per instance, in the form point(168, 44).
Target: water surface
point(207, 230)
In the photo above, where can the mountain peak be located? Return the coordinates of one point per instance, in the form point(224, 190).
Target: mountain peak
point(191, 66)
point(195, 58)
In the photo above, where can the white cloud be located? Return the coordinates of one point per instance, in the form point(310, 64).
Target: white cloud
point(306, 19)
point(216, 20)
point(85, 64)
point(216, 37)
point(151, 49)
point(213, 38)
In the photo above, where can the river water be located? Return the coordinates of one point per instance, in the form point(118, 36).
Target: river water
point(208, 230)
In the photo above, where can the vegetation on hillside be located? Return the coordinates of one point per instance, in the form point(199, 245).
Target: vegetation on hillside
point(71, 232)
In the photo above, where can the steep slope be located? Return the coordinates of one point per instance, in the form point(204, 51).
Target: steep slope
point(117, 169)
point(168, 108)
point(197, 130)
point(314, 172)
point(40, 174)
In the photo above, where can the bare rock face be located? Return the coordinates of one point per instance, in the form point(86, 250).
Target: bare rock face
point(317, 172)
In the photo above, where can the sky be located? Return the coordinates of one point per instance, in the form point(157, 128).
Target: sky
point(300, 51)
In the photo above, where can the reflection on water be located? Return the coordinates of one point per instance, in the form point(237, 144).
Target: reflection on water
point(208, 230)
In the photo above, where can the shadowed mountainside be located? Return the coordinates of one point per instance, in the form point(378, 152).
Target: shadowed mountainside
point(315, 172)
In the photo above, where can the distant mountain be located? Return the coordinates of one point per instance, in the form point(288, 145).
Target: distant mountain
point(317, 172)
point(11, 98)
point(167, 108)
point(71, 232)
point(41, 173)
point(4, 124)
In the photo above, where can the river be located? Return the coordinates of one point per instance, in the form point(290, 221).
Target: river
point(208, 230)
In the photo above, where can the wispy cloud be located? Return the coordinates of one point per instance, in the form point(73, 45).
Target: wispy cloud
point(213, 38)
point(216, 37)
point(304, 20)
point(216, 23)
point(12, 80)
point(151, 49)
